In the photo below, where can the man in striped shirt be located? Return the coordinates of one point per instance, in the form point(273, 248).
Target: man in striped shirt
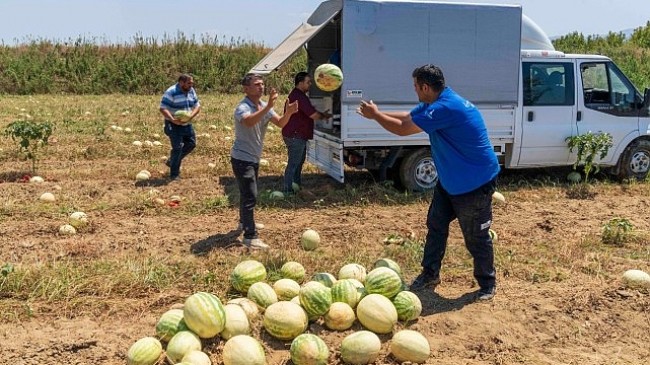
point(180, 97)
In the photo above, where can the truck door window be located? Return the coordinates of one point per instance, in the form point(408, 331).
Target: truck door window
point(548, 84)
point(607, 90)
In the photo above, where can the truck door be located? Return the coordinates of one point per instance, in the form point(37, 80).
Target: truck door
point(607, 104)
point(549, 112)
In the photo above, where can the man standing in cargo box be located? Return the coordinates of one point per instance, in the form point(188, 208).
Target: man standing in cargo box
point(467, 170)
point(252, 117)
point(299, 130)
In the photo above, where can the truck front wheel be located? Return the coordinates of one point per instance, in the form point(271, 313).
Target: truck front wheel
point(417, 171)
point(635, 161)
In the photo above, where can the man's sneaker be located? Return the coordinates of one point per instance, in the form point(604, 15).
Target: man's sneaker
point(240, 227)
point(255, 243)
point(486, 294)
point(424, 281)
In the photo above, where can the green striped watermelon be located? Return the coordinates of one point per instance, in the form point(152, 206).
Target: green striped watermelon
point(324, 278)
point(170, 323)
point(346, 291)
point(308, 349)
point(408, 306)
point(243, 350)
point(360, 348)
point(181, 344)
point(384, 281)
point(286, 289)
point(246, 273)
point(285, 320)
point(315, 298)
point(339, 317)
point(328, 77)
point(377, 313)
point(262, 294)
point(204, 314)
point(353, 271)
point(410, 346)
point(293, 270)
point(386, 262)
point(145, 351)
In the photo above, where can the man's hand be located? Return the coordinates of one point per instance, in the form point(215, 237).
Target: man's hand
point(291, 108)
point(368, 109)
point(273, 96)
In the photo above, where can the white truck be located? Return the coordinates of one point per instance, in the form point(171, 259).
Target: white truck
point(531, 97)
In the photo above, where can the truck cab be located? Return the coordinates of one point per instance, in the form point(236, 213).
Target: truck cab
point(531, 97)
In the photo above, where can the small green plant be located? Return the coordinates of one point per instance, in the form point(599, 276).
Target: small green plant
point(589, 145)
point(6, 269)
point(31, 136)
point(616, 231)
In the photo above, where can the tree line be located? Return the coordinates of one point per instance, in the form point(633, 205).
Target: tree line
point(148, 65)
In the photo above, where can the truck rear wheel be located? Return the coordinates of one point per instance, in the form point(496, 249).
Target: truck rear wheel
point(635, 161)
point(417, 171)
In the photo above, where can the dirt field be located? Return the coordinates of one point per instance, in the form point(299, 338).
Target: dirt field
point(85, 299)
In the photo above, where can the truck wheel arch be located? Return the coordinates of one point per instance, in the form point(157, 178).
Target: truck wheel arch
point(417, 172)
point(634, 162)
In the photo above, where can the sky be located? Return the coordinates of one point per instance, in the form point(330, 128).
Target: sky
point(262, 21)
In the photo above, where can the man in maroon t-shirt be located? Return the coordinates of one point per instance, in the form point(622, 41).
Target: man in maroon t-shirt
point(299, 130)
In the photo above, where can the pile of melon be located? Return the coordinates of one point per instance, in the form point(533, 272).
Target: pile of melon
point(377, 300)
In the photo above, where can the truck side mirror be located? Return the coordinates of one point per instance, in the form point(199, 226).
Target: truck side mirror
point(646, 98)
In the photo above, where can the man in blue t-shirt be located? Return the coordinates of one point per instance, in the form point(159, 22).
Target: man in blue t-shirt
point(180, 97)
point(467, 171)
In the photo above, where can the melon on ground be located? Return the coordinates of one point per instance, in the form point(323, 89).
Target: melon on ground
point(389, 263)
point(145, 351)
point(310, 240)
point(377, 313)
point(339, 317)
point(324, 278)
point(353, 271)
point(309, 349)
point(249, 306)
point(204, 314)
point(243, 350)
point(286, 288)
point(170, 323)
point(236, 322)
point(360, 348)
point(408, 305)
point(293, 270)
point(285, 320)
point(181, 344)
point(246, 273)
point(410, 346)
point(346, 291)
point(384, 281)
point(262, 294)
point(315, 298)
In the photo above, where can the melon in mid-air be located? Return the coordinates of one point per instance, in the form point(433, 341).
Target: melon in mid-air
point(183, 115)
point(328, 77)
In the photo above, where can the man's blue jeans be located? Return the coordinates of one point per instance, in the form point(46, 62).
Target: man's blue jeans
point(296, 151)
point(183, 141)
point(474, 213)
point(246, 174)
